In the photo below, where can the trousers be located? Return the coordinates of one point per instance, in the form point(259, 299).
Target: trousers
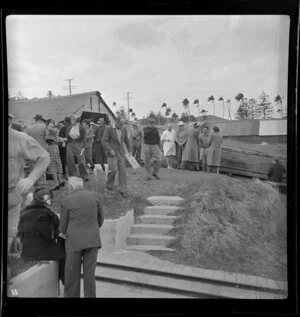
point(73, 151)
point(87, 257)
point(14, 207)
point(151, 159)
point(117, 164)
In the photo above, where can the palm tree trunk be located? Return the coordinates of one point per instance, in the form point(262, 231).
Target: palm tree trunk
point(223, 109)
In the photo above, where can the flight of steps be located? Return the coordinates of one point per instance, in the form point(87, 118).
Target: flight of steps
point(152, 233)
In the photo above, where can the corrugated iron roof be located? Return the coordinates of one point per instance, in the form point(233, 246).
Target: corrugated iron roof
point(56, 108)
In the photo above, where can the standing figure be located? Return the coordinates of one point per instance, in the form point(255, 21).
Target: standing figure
point(190, 156)
point(21, 147)
point(276, 172)
point(75, 148)
point(80, 219)
point(37, 130)
point(100, 157)
point(152, 154)
point(204, 145)
point(168, 139)
point(214, 151)
point(180, 143)
point(38, 230)
point(136, 141)
point(113, 142)
point(55, 166)
point(63, 146)
point(89, 135)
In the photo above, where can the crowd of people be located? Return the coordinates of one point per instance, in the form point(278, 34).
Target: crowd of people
point(70, 151)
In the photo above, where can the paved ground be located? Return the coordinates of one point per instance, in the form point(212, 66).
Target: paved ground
point(144, 260)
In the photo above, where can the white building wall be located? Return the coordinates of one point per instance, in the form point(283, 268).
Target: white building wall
point(273, 127)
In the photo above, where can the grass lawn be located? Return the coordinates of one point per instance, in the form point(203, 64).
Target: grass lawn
point(227, 224)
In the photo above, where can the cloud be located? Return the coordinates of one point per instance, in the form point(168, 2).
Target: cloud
point(139, 35)
point(115, 57)
point(77, 65)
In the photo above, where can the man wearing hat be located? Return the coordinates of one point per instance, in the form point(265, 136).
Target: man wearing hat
point(63, 146)
point(152, 152)
point(21, 147)
point(180, 144)
point(99, 152)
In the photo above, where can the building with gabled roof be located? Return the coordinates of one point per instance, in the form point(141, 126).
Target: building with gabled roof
point(57, 108)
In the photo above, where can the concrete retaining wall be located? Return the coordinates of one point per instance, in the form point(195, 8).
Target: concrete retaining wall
point(114, 231)
point(40, 280)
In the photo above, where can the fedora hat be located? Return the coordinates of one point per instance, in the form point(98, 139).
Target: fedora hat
point(39, 117)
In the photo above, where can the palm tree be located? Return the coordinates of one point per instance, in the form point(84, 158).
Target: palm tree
point(221, 99)
point(168, 111)
point(164, 105)
point(197, 105)
point(186, 103)
point(228, 108)
point(278, 99)
point(212, 99)
point(239, 97)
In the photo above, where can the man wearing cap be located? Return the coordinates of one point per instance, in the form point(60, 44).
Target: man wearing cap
point(37, 130)
point(180, 144)
point(114, 138)
point(152, 152)
point(136, 141)
point(21, 147)
point(204, 145)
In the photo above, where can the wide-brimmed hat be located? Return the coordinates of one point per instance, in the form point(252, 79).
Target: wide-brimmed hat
point(39, 117)
point(41, 193)
point(180, 123)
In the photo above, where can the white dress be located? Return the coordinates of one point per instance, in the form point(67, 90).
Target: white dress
point(169, 138)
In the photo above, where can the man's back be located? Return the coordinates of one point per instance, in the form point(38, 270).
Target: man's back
point(81, 218)
point(38, 132)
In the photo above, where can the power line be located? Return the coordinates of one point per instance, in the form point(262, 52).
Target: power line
point(70, 85)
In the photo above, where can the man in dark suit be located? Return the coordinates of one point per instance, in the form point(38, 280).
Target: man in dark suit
point(113, 141)
point(80, 219)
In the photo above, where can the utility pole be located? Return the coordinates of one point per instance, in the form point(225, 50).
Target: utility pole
point(70, 86)
point(128, 98)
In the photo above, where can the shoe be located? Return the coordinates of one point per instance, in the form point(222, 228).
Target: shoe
point(148, 178)
point(55, 188)
point(125, 195)
point(62, 184)
point(156, 176)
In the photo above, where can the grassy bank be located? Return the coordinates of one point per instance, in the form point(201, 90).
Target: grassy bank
point(232, 225)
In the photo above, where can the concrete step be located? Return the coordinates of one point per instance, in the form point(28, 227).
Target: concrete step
point(150, 229)
point(160, 210)
point(149, 239)
point(145, 248)
point(157, 219)
point(165, 200)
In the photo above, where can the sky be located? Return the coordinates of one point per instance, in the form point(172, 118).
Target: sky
point(158, 59)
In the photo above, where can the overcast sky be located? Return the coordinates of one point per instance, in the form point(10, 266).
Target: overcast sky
point(156, 58)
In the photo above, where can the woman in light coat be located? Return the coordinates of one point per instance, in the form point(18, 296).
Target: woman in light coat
point(168, 139)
